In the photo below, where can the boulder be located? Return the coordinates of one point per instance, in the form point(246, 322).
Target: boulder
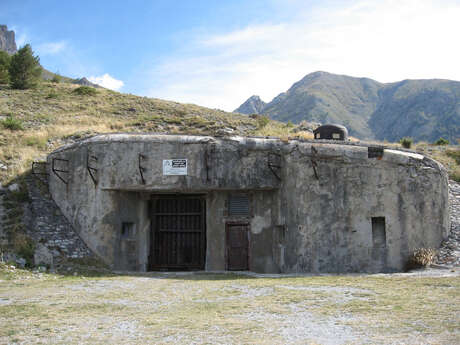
point(14, 187)
point(43, 256)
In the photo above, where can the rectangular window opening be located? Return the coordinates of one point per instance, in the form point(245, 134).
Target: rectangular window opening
point(128, 230)
point(375, 152)
point(379, 238)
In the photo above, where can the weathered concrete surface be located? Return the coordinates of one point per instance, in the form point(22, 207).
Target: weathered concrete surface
point(312, 203)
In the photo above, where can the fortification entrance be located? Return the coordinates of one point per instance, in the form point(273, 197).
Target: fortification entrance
point(178, 232)
point(164, 202)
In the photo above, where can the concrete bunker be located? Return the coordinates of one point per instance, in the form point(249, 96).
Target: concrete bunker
point(331, 132)
point(176, 202)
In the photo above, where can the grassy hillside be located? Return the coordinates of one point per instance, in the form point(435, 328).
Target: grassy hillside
point(36, 121)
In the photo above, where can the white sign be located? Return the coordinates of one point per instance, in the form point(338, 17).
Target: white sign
point(174, 167)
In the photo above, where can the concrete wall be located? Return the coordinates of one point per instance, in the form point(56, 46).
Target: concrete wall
point(312, 203)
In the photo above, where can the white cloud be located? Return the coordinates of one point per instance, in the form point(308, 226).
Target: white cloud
point(52, 48)
point(386, 40)
point(107, 81)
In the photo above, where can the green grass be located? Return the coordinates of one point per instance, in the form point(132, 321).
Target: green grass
point(12, 124)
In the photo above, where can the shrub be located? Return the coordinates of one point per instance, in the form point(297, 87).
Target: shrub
point(24, 246)
point(421, 257)
point(12, 124)
point(441, 141)
point(262, 121)
point(52, 95)
point(56, 78)
point(406, 142)
point(289, 124)
point(24, 69)
point(85, 91)
point(19, 196)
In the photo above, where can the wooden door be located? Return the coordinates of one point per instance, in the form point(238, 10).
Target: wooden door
point(178, 233)
point(237, 240)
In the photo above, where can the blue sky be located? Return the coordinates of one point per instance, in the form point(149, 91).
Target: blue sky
point(218, 53)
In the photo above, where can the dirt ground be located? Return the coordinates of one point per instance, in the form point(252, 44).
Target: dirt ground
point(422, 307)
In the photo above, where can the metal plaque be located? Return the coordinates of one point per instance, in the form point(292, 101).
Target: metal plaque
point(174, 167)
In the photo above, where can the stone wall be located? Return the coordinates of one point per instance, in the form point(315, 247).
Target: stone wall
point(449, 253)
point(49, 228)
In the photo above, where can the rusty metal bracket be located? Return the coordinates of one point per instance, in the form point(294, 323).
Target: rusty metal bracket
point(91, 169)
point(314, 152)
point(206, 159)
point(274, 164)
point(39, 170)
point(57, 171)
point(208, 155)
point(141, 169)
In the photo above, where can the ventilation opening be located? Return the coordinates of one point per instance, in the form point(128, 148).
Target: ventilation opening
point(128, 230)
point(238, 205)
point(379, 238)
point(375, 152)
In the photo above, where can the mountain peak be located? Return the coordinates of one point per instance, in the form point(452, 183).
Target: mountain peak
point(253, 105)
point(7, 40)
point(420, 109)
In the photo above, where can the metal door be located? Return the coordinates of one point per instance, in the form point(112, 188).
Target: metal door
point(178, 233)
point(237, 247)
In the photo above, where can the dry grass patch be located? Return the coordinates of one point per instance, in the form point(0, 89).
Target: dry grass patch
point(229, 309)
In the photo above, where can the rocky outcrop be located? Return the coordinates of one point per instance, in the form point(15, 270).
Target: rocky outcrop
point(254, 105)
point(85, 82)
point(7, 41)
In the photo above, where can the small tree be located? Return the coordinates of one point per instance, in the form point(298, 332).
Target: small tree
point(4, 66)
point(441, 141)
point(406, 142)
point(25, 70)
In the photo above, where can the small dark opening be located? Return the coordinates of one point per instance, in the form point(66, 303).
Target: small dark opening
point(127, 230)
point(379, 238)
point(374, 152)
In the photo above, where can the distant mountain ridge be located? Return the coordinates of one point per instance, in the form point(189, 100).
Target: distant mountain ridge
point(421, 109)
